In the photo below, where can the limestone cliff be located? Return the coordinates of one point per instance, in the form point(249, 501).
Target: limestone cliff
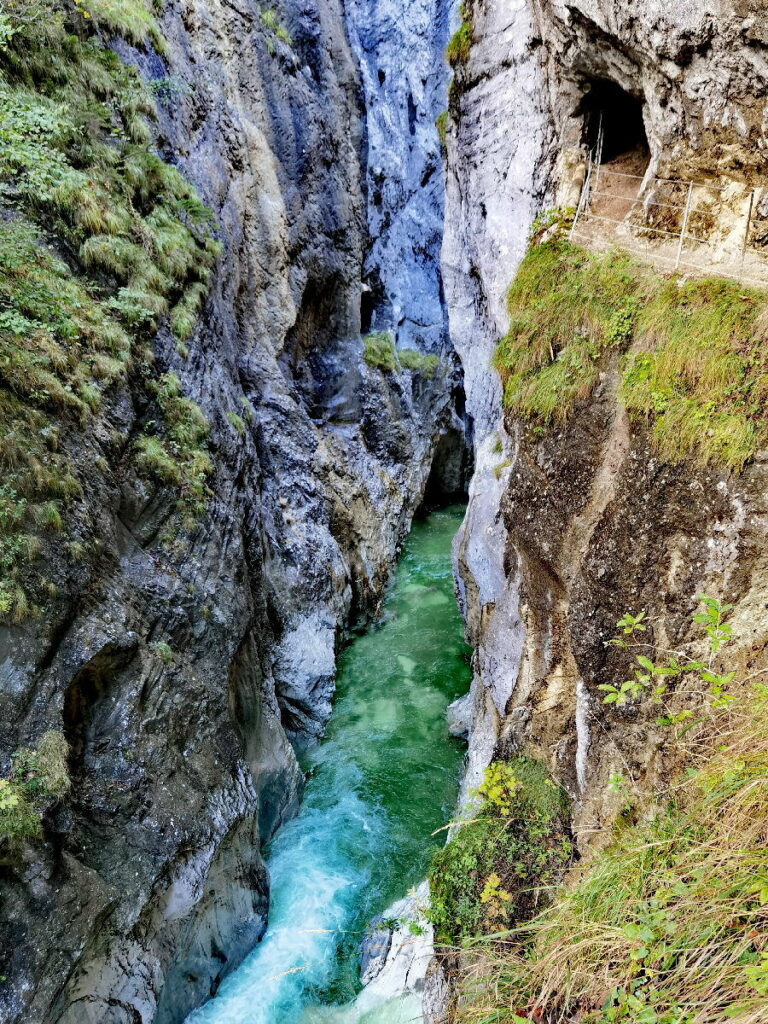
point(571, 525)
point(177, 671)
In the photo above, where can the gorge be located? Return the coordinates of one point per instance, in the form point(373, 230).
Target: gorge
point(259, 312)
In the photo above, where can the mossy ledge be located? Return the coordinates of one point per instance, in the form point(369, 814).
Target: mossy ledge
point(692, 355)
point(380, 353)
point(100, 241)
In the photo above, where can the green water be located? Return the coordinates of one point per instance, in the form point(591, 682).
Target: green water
point(383, 779)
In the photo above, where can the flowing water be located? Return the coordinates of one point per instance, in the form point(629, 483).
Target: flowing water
point(383, 779)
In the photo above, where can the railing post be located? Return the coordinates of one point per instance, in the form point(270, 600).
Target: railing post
point(582, 198)
point(599, 158)
point(684, 228)
point(746, 231)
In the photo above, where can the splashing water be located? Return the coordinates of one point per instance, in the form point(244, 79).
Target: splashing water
point(384, 778)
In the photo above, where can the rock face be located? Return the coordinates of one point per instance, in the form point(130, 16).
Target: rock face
point(178, 674)
point(567, 531)
point(405, 81)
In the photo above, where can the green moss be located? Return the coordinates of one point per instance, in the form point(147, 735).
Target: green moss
point(175, 454)
point(427, 365)
point(379, 351)
point(696, 363)
point(38, 778)
point(496, 869)
point(460, 44)
point(76, 169)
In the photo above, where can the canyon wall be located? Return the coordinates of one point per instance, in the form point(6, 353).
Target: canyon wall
point(179, 672)
point(569, 526)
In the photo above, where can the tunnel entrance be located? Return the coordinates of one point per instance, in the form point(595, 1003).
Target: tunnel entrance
point(609, 109)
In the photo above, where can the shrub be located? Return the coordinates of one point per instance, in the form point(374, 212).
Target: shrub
point(500, 864)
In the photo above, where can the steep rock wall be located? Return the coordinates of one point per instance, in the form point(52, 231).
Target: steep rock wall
point(567, 531)
point(405, 81)
point(177, 673)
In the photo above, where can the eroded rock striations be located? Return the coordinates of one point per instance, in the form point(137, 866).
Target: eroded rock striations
point(179, 673)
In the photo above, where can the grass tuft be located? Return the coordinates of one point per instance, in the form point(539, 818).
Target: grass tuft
point(460, 44)
point(379, 351)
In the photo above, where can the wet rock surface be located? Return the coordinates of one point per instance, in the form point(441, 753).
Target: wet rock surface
point(404, 79)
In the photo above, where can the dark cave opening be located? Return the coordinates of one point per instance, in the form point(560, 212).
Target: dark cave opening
point(620, 115)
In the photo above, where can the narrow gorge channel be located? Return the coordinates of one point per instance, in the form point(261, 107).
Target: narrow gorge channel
point(383, 779)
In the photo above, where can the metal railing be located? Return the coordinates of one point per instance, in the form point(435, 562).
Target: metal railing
point(663, 231)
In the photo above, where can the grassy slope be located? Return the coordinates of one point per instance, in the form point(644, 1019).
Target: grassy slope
point(669, 925)
point(100, 240)
point(694, 359)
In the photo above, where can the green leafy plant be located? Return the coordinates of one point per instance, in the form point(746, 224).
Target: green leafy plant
point(499, 865)
point(651, 679)
point(273, 25)
point(442, 122)
point(426, 365)
point(175, 452)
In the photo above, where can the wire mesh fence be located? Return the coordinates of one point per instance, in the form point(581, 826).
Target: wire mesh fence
point(699, 227)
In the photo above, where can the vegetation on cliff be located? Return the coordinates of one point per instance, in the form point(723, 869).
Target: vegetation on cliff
point(692, 356)
point(39, 777)
point(500, 865)
point(460, 43)
point(669, 923)
point(379, 352)
point(100, 240)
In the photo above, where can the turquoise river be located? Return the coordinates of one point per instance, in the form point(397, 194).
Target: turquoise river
point(382, 781)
